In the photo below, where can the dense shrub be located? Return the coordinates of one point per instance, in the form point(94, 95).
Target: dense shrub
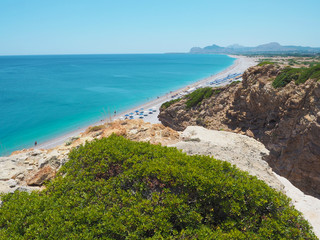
point(197, 96)
point(292, 62)
point(286, 76)
point(309, 73)
point(313, 64)
point(235, 83)
point(298, 75)
point(117, 189)
point(265, 63)
point(169, 103)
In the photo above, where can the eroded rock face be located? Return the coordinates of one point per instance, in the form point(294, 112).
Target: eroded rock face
point(286, 120)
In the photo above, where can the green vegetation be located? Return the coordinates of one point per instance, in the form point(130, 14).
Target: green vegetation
point(235, 83)
point(197, 96)
point(194, 98)
point(97, 128)
point(286, 76)
point(265, 59)
point(311, 64)
point(292, 62)
point(169, 103)
point(281, 54)
point(298, 75)
point(265, 63)
point(114, 188)
point(217, 91)
point(309, 73)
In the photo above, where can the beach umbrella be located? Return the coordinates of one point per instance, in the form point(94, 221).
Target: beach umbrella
point(136, 111)
point(141, 113)
point(141, 117)
point(131, 113)
point(127, 115)
point(131, 117)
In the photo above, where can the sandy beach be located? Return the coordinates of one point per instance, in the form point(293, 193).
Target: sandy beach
point(240, 65)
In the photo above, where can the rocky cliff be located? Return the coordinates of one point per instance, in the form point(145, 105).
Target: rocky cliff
point(286, 120)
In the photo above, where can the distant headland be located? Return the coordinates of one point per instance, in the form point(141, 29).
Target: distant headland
point(269, 48)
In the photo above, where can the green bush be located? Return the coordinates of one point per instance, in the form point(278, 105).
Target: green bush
point(292, 62)
point(114, 188)
point(286, 76)
point(217, 91)
point(265, 63)
point(309, 73)
point(197, 96)
point(298, 75)
point(235, 83)
point(313, 64)
point(169, 103)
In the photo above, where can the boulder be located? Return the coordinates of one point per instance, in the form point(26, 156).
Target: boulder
point(12, 183)
point(44, 174)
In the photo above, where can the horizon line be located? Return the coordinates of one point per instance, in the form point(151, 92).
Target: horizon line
point(59, 54)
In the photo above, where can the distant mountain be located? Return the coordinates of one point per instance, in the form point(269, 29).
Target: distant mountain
point(269, 48)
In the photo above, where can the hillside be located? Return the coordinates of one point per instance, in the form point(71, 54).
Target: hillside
point(35, 167)
point(269, 48)
point(286, 119)
point(114, 188)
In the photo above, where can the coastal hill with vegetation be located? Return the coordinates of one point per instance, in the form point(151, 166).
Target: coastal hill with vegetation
point(269, 48)
point(114, 188)
point(277, 105)
point(128, 180)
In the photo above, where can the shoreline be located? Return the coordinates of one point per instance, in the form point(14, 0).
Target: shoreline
point(240, 64)
point(308, 205)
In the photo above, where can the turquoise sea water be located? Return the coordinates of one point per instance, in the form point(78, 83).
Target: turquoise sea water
point(42, 97)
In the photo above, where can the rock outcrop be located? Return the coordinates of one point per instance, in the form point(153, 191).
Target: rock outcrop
point(44, 174)
point(244, 152)
point(28, 169)
point(286, 120)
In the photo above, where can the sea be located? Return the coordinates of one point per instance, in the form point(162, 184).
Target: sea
point(43, 97)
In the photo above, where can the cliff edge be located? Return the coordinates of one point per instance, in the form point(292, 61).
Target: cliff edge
point(285, 119)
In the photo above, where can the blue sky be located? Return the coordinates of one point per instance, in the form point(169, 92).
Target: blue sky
point(145, 26)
